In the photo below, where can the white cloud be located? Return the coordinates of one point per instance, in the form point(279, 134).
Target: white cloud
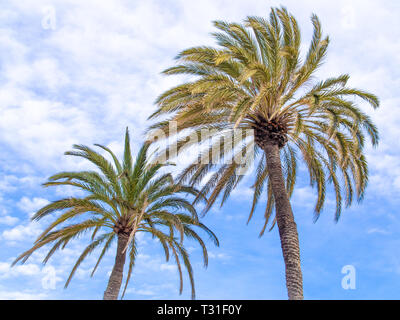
point(4, 267)
point(22, 232)
point(8, 220)
point(242, 193)
point(143, 292)
point(21, 295)
point(218, 255)
point(378, 231)
point(28, 269)
point(31, 205)
point(153, 291)
point(168, 267)
point(304, 196)
point(6, 183)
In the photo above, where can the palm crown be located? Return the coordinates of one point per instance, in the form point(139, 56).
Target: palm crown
point(257, 80)
point(122, 200)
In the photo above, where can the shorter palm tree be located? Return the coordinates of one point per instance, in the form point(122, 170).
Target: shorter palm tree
point(120, 201)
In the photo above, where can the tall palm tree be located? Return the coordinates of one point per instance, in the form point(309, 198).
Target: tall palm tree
point(256, 80)
point(120, 201)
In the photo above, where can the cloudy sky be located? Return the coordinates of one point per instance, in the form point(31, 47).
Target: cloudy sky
point(81, 71)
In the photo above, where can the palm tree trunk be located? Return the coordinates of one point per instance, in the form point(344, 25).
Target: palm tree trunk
point(286, 224)
point(114, 283)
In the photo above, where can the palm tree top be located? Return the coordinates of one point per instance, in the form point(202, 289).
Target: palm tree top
point(122, 198)
point(255, 78)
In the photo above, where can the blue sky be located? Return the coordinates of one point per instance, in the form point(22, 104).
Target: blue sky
point(97, 70)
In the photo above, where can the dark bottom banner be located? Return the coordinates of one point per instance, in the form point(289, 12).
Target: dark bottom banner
point(198, 309)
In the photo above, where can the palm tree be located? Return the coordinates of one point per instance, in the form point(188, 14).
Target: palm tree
point(256, 80)
point(122, 200)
